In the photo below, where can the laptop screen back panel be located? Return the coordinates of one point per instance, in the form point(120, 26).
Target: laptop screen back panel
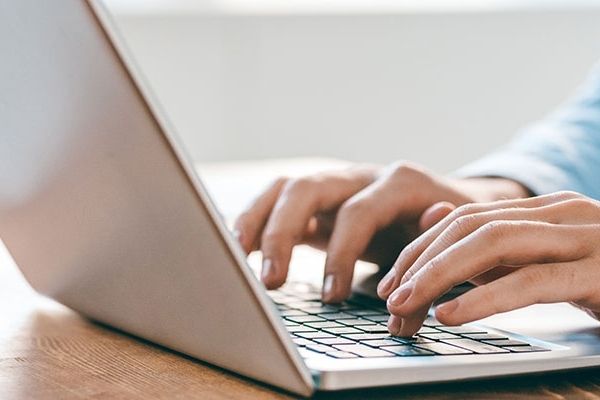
point(99, 213)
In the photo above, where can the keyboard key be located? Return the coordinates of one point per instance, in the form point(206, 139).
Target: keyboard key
point(380, 342)
point(314, 335)
point(428, 329)
point(461, 329)
point(375, 328)
point(438, 335)
point(300, 319)
point(431, 321)
point(324, 325)
point(355, 321)
point(323, 308)
point(301, 342)
point(346, 330)
point(526, 349)
point(341, 354)
point(364, 312)
point(366, 336)
point(336, 316)
point(301, 305)
point(300, 328)
point(477, 347)
point(334, 340)
point(291, 313)
point(506, 342)
point(443, 348)
point(412, 340)
point(364, 351)
point(407, 351)
point(377, 318)
point(484, 336)
point(319, 348)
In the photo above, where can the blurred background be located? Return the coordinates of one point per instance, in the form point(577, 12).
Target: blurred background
point(439, 82)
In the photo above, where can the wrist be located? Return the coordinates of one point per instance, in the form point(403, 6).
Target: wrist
point(487, 189)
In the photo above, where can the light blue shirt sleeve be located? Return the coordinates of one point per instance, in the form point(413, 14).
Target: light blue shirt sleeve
point(560, 152)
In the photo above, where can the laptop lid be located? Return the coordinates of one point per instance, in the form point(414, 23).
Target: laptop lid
point(101, 210)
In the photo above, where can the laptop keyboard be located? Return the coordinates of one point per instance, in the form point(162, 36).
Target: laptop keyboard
point(354, 330)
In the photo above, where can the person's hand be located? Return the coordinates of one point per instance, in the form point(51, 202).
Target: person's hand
point(364, 212)
point(519, 252)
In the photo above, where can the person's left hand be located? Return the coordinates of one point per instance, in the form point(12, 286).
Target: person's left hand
point(519, 252)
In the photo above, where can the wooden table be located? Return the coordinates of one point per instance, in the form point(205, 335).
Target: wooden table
point(49, 352)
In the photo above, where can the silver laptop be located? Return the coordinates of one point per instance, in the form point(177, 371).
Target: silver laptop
point(103, 212)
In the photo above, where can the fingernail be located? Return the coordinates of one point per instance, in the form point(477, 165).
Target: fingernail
point(385, 285)
point(394, 325)
point(267, 270)
point(328, 287)
point(447, 308)
point(399, 296)
point(237, 234)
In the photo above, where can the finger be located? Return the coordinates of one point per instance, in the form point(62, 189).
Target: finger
point(293, 215)
point(496, 243)
point(412, 252)
point(359, 219)
point(550, 209)
point(539, 283)
point(429, 218)
point(418, 250)
point(405, 327)
point(250, 224)
point(465, 220)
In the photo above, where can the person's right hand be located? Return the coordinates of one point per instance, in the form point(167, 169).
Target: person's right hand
point(364, 212)
point(517, 252)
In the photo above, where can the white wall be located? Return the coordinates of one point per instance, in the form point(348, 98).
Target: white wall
point(438, 87)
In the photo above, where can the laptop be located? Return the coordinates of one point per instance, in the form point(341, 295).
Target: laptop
point(103, 211)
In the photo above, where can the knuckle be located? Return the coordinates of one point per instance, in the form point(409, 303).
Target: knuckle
point(496, 234)
point(296, 186)
point(409, 251)
point(560, 196)
point(354, 208)
point(496, 231)
point(406, 171)
point(463, 225)
point(408, 275)
point(568, 195)
point(466, 209)
point(582, 205)
point(434, 269)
